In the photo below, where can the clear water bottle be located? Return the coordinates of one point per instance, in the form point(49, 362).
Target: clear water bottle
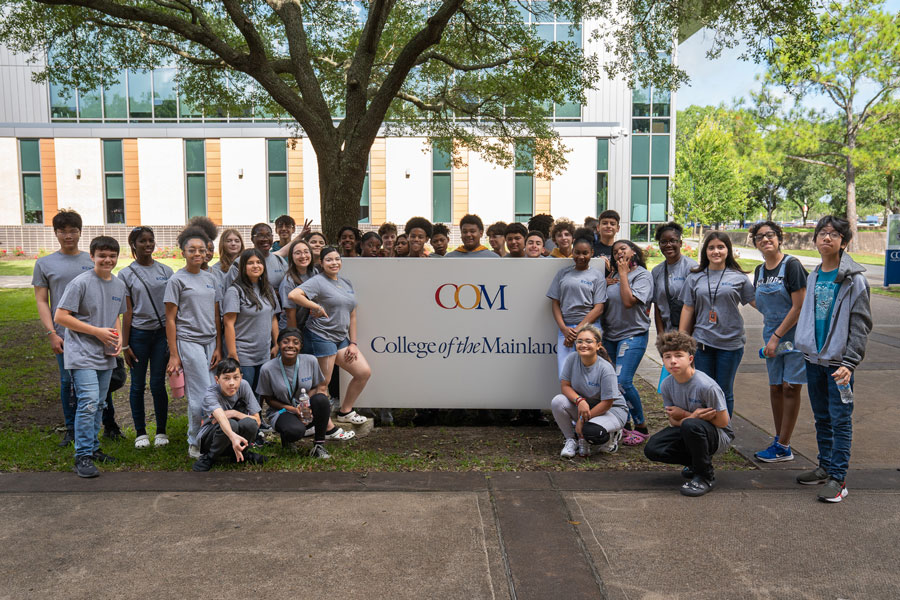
point(781, 348)
point(306, 415)
point(583, 448)
point(846, 393)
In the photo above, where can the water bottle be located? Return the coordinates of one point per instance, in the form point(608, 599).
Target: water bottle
point(846, 393)
point(583, 448)
point(781, 348)
point(306, 415)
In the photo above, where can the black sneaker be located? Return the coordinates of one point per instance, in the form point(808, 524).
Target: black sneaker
point(68, 438)
point(698, 486)
point(319, 451)
point(101, 457)
point(113, 433)
point(203, 464)
point(84, 467)
point(254, 458)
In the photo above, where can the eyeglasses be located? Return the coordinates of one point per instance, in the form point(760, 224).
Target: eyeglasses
point(834, 235)
point(585, 342)
point(670, 242)
point(769, 235)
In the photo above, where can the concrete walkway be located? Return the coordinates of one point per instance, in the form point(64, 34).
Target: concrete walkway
point(15, 281)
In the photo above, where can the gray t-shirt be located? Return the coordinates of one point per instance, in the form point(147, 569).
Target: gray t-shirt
point(477, 254)
point(577, 292)
point(678, 273)
point(287, 286)
point(595, 383)
point(701, 391)
point(156, 276)
point(725, 328)
point(284, 383)
point(252, 327)
point(619, 322)
point(276, 267)
point(92, 300)
point(243, 401)
point(195, 295)
point(54, 272)
point(338, 300)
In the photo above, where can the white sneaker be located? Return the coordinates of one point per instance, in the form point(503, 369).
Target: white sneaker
point(569, 449)
point(351, 417)
point(612, 446)
point(194, 451)
point(142, 441)
point(160, 440)
point(340, 435)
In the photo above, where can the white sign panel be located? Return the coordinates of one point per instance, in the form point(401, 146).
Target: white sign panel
point(456, 332)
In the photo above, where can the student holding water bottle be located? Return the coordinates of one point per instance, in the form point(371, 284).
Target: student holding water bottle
point(832, 331)
point(780, 285)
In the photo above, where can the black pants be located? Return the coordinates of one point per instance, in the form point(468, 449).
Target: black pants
point(691, 445)
point(217, 445)
point(595, 434)
point(291, 428)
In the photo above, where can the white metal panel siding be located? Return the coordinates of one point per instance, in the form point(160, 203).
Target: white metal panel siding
point(491, 190)
point(161, 172)
point(573, 193)
point(411, 197)
point(312, 208)
point(21, 99)
point(84, 194)
point(10, 190)
point(244, 199)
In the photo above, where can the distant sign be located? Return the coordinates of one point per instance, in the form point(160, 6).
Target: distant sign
point(892, 254)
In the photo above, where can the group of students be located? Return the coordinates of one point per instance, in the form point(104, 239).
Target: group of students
point(269, 323)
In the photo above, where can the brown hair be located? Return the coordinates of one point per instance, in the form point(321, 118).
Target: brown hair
point(593, 330)
point(226, 261)
point(676, 341)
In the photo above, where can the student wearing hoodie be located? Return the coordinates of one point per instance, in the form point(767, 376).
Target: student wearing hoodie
point(834, 324)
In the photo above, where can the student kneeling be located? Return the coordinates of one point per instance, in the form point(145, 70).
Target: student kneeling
point(230, 418)
point(698, 416)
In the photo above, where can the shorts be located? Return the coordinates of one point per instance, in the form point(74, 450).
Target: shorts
point(789, 367)
point(319, 347)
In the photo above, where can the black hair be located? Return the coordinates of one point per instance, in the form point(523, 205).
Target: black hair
point(771, 225)
point(586, 234)
point(326, 251)
point(440, 229)
point(257, 227)
point(541, 223)
point(206, 224)
point(610, 214)
point(309, 235)
point(136, 233)
point(420, 223)
point(535, 232)
point(498, 228)
point(471, 220)
point(104, 242)
point(290, 331)
point(840, 225)
point(582, 240)
point(516, 228)
point(670, 226)
point(638, 253)
point(369, 235)
point(292, 271)
point(192, 233)
point(730, 262)
point(246, 287)
point(285, 220)
point(66, 217)
point(227, 365)
point(355, 230)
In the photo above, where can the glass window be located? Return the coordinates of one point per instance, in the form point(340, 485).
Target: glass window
point(365, 200)
point(277, 153)
point(114, 181)
point(640, 125)
point(112, 156)
point(164, 104)
point(441, 186)
point(602, 192)
point(30, 164)
point(639, 191)
point(660, 126)
point(276, 156)
point(661, 100)
point(569, 33)
point(90, 105)
point(524, 180)
point(659, 161)
point(62, 103)
point(194, 158)
point(568, 110)
point(659, 198)
point(640, 102)
point(640, 232)
point(640, 154)
point(140, 95)
point(602, 154)
point(30, 152)
point(187, 112)
point(195, 167)
point(115, 105)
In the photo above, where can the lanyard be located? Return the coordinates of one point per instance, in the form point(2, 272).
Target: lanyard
point(293, 380)
point(713, 294)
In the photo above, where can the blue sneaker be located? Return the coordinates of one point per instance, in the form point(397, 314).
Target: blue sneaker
point(775, 453)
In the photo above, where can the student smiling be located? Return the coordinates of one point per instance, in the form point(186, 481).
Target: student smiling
point(471, 230)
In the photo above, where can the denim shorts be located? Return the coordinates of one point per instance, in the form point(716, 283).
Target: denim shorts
point(318, 347)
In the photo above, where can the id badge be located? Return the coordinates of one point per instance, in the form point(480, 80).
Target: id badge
point(713, 317)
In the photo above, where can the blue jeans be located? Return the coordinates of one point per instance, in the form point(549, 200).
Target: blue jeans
point(626, 356)
point(91, 387)
point(562, 352)
point(151, 350)
point(251, 374)
point(722, 366)
point(66, 392)
point(834, 423)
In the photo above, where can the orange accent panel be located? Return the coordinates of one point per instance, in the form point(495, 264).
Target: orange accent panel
point(295, 179)
point(460, 186)
point(48, 180)
point(541, 195)
point(214, 180)
point(378, 181)
point(132, 182)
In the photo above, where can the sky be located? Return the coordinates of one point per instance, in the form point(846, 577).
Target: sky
point(728, 77)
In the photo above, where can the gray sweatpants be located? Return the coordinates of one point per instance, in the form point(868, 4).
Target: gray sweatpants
point(195, 360)
point(565, 413)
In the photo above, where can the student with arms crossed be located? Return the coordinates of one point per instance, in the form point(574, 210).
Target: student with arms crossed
point(89, 310)
point(699, 425)
point(230, 419)
point(832, 332)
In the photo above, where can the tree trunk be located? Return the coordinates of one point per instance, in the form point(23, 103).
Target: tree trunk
point(341, 177)
point(850, 173)
point(890, 197)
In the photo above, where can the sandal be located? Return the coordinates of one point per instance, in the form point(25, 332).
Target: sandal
point(339, 435)
point(351, 417)
point(634, 438)
point(142, 441)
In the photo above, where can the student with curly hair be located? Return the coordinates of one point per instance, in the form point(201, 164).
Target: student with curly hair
point(388, 233)
point(418, 230)
point(440, 239)
point(563, 234)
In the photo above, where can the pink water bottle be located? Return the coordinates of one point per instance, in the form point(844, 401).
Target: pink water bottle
point(176, 383)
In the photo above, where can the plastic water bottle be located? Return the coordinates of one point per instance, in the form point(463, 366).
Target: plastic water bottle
point(583, 448)
point(781, 348)
point(846, 393)
point(306, 415)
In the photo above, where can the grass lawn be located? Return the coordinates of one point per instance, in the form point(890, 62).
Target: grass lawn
point(863, 258)
point(894, 292)
point(25, 266)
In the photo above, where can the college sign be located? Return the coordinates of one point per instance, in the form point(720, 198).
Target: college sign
point(456, 332)
point(892, 254)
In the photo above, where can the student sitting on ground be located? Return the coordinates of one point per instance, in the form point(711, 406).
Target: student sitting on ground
point(230, 418)
point(699, 426)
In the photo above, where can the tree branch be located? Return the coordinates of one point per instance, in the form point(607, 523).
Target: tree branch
point(815, 162)
point(173, 48)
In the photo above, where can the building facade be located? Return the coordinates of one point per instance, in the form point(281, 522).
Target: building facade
point(136, 153)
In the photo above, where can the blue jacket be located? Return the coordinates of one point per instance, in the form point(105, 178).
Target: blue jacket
point(851, 319)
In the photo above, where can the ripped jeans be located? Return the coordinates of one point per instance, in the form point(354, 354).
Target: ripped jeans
point(91, 387)
point(626, 356)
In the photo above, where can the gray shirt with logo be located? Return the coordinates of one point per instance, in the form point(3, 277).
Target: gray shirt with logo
point(577, 292)
point(287, 286)
point(276, 267)
point(97, 302)
point(252, 327)
point(242, 401)
point(595, 383)
point(284, 382)
point(54, 272)
point(678, 274)
point(195, 295)
point(338, 299)
point(701, 391)
point(716, 297)
point(146, 314)
point(620, 322)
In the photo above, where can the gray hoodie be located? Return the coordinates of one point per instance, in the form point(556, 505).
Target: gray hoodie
point(851, 319)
